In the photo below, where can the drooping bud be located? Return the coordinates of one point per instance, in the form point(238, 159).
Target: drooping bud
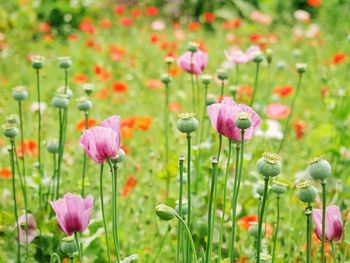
point(165, 212)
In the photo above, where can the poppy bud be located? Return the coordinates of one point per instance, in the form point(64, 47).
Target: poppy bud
point(169, 60)
point(184, 207)
point(306, 192)
point(121, 156)
point(233, 91)
point(165, 212)
point(211, 99)
point(60, 101)
point(187, 123)
point(269, 165)
point(84, 104)
point(37, 62)
point(52, 146)
point(222, 74)
point(19, 93)
point(10, 130)
point(319, 169)
point(260, 189)
point(244, 120)
point(65, 62)
point(69, 246)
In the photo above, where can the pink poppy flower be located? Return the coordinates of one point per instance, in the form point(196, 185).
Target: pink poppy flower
point(73, 212)
point(223, 116)
point(334, 224)
point(277, 111)
point(31, 227)
point(238, 56)
point(199, 61)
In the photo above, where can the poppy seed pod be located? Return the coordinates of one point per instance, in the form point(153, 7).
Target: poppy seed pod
point(169, 59)
point(301, 67)
point(65, 62)
point(12, 119)
point(253, 229)
point(306, 192)
point(278, 187)
point(319, 169)
point(187, 123)
point(211, 99)
point(233, 90)
point(69, 246)
point(222, 74)
point(121, 156)
point(88, 88)
point(52, 146)
point(84, 104)
point(193, 47)
point(63, 90)
point(19, 93)
point(244, 120)
point(165, 212)
point(206, 79)
point(258, 58)
point(37, 62)
point(60, 101)
point(269, 165)
point(260, 189)
point(165, 78)
point(10, 130)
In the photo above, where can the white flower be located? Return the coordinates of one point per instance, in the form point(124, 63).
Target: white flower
point(272, 131)
point(36, 106)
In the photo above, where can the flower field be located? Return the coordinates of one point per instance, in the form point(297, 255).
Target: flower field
point(175, 131)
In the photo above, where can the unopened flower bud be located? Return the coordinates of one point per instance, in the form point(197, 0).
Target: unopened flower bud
point(169, 59)
point(65, 62)
point(301, 67)
point(243, 120)
point(222, 74)
point(37, 62)
point(165, 79)
point(121, 156)
point(52, 146)
point(84, 104)
point(10, 130)
point(260, 189)
point(258, 58)
point(269, 165)
point(233, 90)
point(69, 246)
point(306, 192)
point(19, 93)
point(60, 101)
point(319, 169)
point(187, 123)
point(165, 212)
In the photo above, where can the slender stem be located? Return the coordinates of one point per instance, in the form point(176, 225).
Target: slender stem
point(255, 83)
point(261, 218)
point(224, 204)
point(323, 183)
point(192, 85)
point(308, 213)
point(60, 151)
point(55, 258)
point(211, 217)
point(333, 252)
point(14, 197)
point(189, 237)
point(78, 245)
point(160, 247)
point(285, 130)
point(219, 150)
point(84, 158)
point(189, 204)
point(39, 134)
point(234, 204)
point(166, 137)
point(103, 214)
point(237, 75)
point(222, 89)
point(179, 230)
point(71, 259)
point(276, 228)
point(24, 175)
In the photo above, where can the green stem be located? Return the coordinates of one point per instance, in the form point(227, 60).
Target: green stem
point(14, 197)
point(261, 218)
point(55, 258)
point(276, 228)
point(323, 183)
point(84, 158)
point(189, 204)
point(78, 245)
point(333, 252)
point(222, 89)
point(224, 204)
point(211, 213)
point(179, 230)
point(219, 150)
point(308, 213)
point(255, 83)
point(60, 151)
point(39, 134)
point(166, 136)
point(285, 130)
point(160, 247)
point(189, 237)
point(103, 214)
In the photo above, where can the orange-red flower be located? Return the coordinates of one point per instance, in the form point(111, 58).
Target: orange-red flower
point(174, 71)
point(119, 87)
point(246, 220)
point(245, 92)
point(44, 27)
point(231, 24)
point(299, 128)
point(143, 123)
point(126, 132)
point(324, 91)
point(314, 3)
point(126, 21)
point(193, 26)
point(209, 17)
point(80, 78)
point(153, 84)
point(151, 11)
point(116, 52)
point(105, 23)
point(338, 58)
point(119, 10)
point(102, 94)
point(5, 173)
point(29, 147)
point(81, 124)
point(174, 107)
point(136, 13)
point(87, 26)
point(130, 184)
point(283, 91)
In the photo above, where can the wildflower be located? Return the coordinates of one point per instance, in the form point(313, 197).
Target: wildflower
point(334, 224)
point(30, 228)
point(193, 62)
point(238, 56)
point(277, 111)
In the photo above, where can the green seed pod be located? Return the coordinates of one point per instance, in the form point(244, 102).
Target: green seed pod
point(84, 103)
point(206, 79)
point(165, 212)
point(62, 90)
point(269, 53)
point(260, 189)
point(222, 74)
point(65, 62)
point(233, 91)
point(269, 165)
point(69, 246)
point(52, 146)
point(193, 47)
point(19, 93)
point(279, 187)
point(60, 101)
point(165, 79)
point(88, 88)
point(253, 229)
point(12, 119)
point(10, 130)
point(37, 62)
point(121, 156)
point(187, 123)
point(306, 192)
point(258, 58)
point(211, 99)
point(169, 60)
point(319, 169)
point(301, 67)
point(243, 120)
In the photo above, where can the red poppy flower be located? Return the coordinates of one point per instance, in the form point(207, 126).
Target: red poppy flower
point(73, 37)
point(136, 13)
point(283, 91)
point(119, 87)
point(209, 17)
point(102, 94)
point(153, 84)
point(105, 23)
point(193, 26)
point(143, 123)
point(119, 10)
point(130, 184)
point(44, 27)
point(338, 58)
point(246, 220)
point(81, 124)
point(151, 11)
point(314, 3)
point(245, 92)
point(5, 173)
point(231, 24)
point(125, 21)
point(299, 128)
point(116, 52)
point(87, 26)
point(174, 107)
point(80, 78)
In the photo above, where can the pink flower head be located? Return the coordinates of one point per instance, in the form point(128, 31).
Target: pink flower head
point(31, 228)
point(277, 111)
point(334, 224)
point(112, 123)
point(223, 116)
point(238, 56)
point(261, 18)
point(199, 61)
point(73, 212)
point(100, 143)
